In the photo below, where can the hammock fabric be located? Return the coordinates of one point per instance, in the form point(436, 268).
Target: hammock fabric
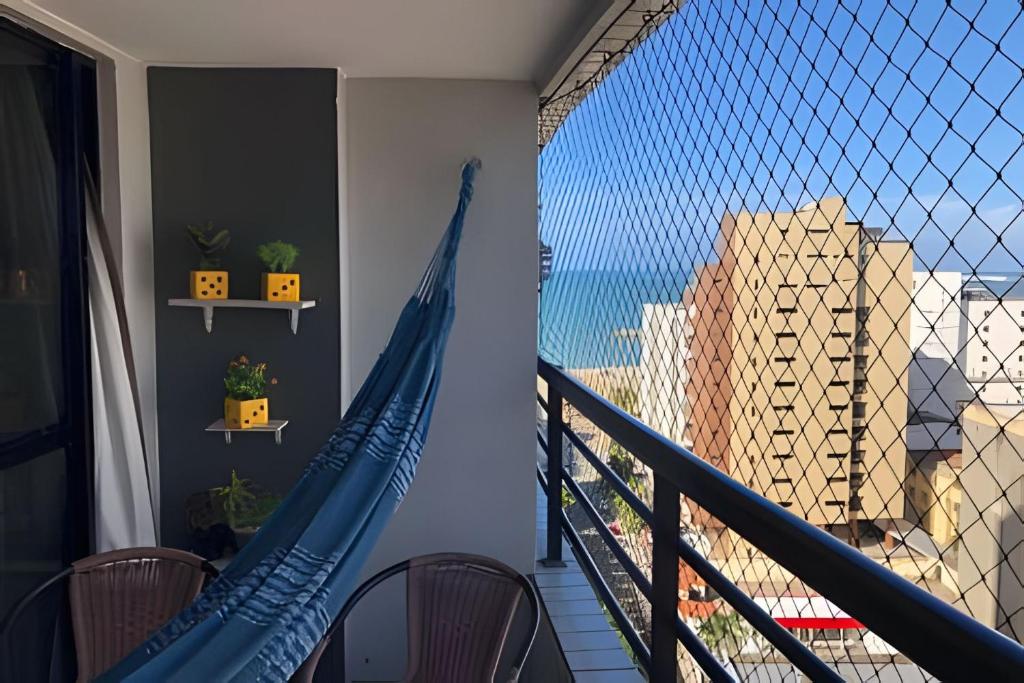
point(264, 615)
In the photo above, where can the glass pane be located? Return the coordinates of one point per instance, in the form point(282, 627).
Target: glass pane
point(33, 498)
point(31, 386)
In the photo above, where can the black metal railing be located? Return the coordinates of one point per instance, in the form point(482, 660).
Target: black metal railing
point(937, 637)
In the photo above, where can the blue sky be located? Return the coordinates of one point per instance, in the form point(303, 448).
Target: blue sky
point(913, 111)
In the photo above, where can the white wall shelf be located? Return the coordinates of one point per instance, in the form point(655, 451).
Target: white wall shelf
point(275, 426)
point(293, 308)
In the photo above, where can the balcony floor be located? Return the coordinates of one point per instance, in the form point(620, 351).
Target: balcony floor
point(591, 645)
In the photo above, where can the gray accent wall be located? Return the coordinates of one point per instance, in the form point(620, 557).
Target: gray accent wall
point(255, 151)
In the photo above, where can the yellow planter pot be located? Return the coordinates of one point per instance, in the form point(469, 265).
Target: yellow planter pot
point(208, 284)
point(280, 286)
point(245, 414)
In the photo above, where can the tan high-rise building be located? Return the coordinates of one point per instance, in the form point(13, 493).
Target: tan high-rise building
point(709, 302)
point(798, 365)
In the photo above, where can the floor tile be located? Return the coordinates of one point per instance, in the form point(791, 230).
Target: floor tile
point(598, 660)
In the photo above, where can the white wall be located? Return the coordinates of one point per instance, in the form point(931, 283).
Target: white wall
point(406, 139)
point(125, 162)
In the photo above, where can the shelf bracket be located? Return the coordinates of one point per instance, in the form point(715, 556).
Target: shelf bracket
point(227, 438)
point(208, 323)
point(293, 318)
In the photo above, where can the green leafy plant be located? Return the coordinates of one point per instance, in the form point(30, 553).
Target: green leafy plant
point(623, 465)
point(210, 243)
point(278, 257)
point(724, 632)
point(245, 506)
point(236, 497)
point(245, 381)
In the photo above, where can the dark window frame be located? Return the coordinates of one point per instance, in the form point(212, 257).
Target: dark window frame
point(77, 138)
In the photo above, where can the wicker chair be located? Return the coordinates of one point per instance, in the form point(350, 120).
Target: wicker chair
point(479, 594)
point(118, 599)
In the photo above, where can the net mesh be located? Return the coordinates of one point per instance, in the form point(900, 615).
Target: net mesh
point(788, 235)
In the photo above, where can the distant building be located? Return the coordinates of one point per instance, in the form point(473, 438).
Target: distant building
point(664, 334)
point(992, 344)
point(934, 494)
point(991, 554)
point(545, 256)
point(937, 382)
point(798, 370)
point(967, 337)
point(709, 301)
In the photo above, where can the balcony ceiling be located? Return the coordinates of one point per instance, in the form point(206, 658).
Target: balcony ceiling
point(492, 39)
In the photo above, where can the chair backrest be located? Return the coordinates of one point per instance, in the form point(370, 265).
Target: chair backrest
point(119, 598)
point(460, 612)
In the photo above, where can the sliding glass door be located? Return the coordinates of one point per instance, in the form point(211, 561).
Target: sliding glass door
point(47, 123)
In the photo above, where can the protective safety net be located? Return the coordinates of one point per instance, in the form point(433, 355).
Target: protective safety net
point(789, 235)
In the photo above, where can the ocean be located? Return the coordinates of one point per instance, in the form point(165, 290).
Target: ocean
point(590, 319)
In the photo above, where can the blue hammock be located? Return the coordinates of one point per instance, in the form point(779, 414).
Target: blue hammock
point(263, 616)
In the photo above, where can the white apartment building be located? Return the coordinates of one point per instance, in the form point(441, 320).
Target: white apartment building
point(967, 337)
point(992, 344)
point(665, 330)
point(936, 379)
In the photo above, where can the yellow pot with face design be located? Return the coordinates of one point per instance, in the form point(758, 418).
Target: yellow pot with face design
point(208, 284)
point(280, 286)
point(246, 414)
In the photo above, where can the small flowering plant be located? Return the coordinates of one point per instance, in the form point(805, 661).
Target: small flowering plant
point(245, 380)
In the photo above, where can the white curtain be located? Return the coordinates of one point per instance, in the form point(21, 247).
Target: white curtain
point(124, 509)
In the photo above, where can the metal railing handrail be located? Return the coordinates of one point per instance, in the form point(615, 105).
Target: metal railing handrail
point(942, 640)
point(781, 638)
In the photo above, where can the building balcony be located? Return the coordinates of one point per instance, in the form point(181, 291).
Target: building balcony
point(669, 207)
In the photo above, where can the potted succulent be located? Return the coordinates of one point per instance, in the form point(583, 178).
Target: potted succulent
point(245, 506)
point(279, 283)
point(246, 404)
point(209, 282)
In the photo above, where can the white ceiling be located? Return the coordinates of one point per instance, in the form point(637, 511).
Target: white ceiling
point(493, 39)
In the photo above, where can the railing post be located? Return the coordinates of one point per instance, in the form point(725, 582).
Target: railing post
point(554, 474)
point(664, 580)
